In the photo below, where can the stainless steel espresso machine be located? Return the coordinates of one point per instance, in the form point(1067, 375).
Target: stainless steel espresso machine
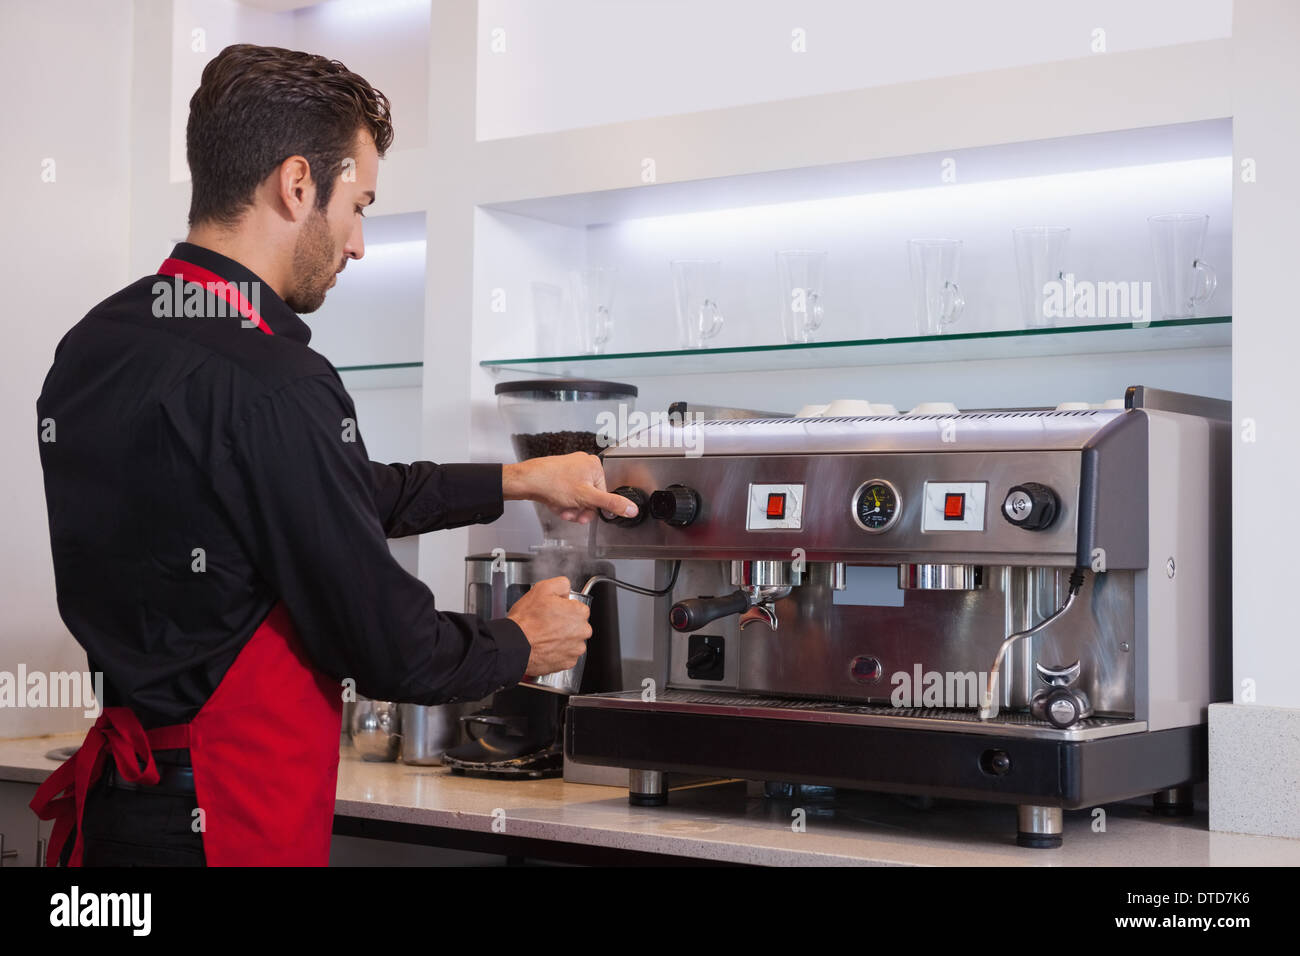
point(1028, 607)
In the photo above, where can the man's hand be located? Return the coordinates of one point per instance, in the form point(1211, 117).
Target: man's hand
point(555, 626)
point(573, 486)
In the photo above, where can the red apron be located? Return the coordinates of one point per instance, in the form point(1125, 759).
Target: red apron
point(265, 745)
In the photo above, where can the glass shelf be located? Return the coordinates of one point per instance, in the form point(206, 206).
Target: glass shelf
point(389, 375)
point(1162, 335)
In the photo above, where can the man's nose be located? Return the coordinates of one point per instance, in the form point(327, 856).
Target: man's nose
point(355, 247)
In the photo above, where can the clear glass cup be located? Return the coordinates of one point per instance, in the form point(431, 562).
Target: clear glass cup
point(801, 275)
point(695, 284)
point(936, 298)
point(1040, 259)
point(1184, 279)
point(592, 293)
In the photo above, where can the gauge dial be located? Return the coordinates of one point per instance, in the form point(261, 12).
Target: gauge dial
point(876, 505)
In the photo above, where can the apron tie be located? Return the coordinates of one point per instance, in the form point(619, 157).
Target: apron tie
point(62, 797)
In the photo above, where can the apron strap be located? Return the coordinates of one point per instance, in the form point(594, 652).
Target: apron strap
point(62, 797)
point(189, 272)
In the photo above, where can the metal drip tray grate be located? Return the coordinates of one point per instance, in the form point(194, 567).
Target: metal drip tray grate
point(928, 718)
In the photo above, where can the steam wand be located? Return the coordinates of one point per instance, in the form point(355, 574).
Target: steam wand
point(987, 705)
point(598, 578)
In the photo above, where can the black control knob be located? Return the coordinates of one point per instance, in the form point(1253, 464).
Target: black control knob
point(1061, 708)
point(1030, 506)
point(676, 505)
point(638, 498)
point(703, 659)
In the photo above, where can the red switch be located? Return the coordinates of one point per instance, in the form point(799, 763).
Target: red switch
point(776, 506)
point(954, 506)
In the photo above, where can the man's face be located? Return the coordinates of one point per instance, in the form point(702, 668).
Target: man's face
point(329, 238)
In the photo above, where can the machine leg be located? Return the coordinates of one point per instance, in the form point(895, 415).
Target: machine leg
point(1174, 802)
point(647, 788)
point(1039, 827)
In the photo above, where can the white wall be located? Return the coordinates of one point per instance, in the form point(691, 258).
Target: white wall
point(1266, 342)
point(575, 63)
point(64, 250)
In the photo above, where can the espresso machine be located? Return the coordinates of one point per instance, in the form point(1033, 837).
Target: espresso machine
point(1023, 606)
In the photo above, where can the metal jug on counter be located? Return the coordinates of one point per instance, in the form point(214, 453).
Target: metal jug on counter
point(376, 729)
point(430, 731)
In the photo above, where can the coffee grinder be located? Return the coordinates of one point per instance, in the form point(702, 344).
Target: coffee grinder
point(521, 733)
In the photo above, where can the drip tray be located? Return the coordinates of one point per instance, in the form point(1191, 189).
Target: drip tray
point(952, 719)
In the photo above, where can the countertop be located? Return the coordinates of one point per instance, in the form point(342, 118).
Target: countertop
point(723, 822)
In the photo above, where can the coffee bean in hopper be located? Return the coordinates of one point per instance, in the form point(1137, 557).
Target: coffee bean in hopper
point(541, 444)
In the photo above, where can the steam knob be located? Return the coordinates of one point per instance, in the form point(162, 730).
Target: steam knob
point(1060, 703)
point(1062, 708)
point(1030, 506)
point(634, 495)
point(676, 505)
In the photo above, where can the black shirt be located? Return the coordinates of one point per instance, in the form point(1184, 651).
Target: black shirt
point(200, 470)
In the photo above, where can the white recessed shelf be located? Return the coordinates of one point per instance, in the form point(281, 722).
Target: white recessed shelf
point(1204, 139)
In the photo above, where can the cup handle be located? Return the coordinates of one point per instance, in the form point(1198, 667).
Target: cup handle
point(715, 323)
point(1206, 282)
point(601, 333)
point(954, 306)
point(813, 317)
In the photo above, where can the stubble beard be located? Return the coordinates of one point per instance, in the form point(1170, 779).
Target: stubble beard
point(313, 265)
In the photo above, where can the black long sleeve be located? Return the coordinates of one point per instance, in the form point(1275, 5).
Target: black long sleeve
point(423, 496)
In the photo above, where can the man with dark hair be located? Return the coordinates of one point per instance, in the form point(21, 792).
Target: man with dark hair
point(218, 531)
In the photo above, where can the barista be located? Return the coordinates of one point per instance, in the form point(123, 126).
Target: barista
point(218, 530)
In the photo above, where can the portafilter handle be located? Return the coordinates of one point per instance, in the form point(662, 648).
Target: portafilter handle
point(693, 613)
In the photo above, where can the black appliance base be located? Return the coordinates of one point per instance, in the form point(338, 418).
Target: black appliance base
point(1035, 773)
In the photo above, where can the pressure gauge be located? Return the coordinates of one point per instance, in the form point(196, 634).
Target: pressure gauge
point(876, 505)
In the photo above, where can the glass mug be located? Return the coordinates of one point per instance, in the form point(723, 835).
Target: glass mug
point(801, 277)
point(936, 298)
point(592, 292)
point(695, 284)
point(1040, 259)
point(1184, 279)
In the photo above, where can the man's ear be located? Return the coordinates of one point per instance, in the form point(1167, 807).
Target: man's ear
point(295, 188)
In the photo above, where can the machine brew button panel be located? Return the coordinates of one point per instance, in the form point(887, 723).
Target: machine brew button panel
point(953, 506)
point(774, 508)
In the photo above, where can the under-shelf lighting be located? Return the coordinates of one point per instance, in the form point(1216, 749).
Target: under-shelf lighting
point(896, 209)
